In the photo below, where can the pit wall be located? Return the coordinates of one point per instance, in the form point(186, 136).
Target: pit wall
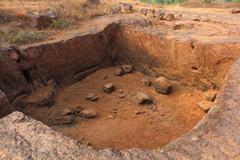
point(71, 59)
point(199, 64)
point(64, 61)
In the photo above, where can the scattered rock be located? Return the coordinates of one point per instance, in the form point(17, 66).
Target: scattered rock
point(144, 11)
point(71, 111)
point(151, 13)
point(120, 91)
point(67, 119)
point(110, 116)
point(159, 14)
point(119, 72)
point(88, 113)
point(41, 20)
point(147, 82)
point(205, 105)
point(162, 85)
point(66, 112)
point(178, 26)
point(137, 112)
point(109, 88)
point(210, 95)
point(235, 11)
point(92, 97)
point(142, 98)
point(168, 17)
point(122, 96)
point(126, 7)
point(127, 68)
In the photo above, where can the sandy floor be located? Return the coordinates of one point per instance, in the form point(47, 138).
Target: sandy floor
point(156, 125)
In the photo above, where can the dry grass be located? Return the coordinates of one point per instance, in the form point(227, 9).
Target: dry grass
point(72, 9)
point(21, 36)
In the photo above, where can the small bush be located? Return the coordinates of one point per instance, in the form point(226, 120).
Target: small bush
point(61, 23)
point(17, 36)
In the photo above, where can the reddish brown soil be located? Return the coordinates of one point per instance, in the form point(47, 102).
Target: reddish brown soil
point(169, 117)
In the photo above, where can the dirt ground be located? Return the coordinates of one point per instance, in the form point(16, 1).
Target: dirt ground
point(120, 122)
point(130, 125)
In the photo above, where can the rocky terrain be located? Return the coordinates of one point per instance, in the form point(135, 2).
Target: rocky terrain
point(139, 82)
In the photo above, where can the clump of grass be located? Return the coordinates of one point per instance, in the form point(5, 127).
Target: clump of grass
point(19, 37)
point(60, 23)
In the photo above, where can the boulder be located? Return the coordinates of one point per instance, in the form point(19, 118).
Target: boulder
point(142, 98)
point(162, 85)
point(109, 88)
point(41, 20)
point(126, 7)
point(92, 97)
point(88, 113)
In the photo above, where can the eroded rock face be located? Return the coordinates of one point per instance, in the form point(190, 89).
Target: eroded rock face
point(5, 107)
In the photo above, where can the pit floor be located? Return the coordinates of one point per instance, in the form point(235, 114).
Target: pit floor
point(168, 118)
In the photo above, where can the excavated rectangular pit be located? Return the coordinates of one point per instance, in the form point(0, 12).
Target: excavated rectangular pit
point(47, 79)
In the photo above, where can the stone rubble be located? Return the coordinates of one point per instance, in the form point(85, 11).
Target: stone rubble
point(88, 113)
point(92, 97)
point(41, 20)
point(162, 85)
point(109, 88)
point(142, 98)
